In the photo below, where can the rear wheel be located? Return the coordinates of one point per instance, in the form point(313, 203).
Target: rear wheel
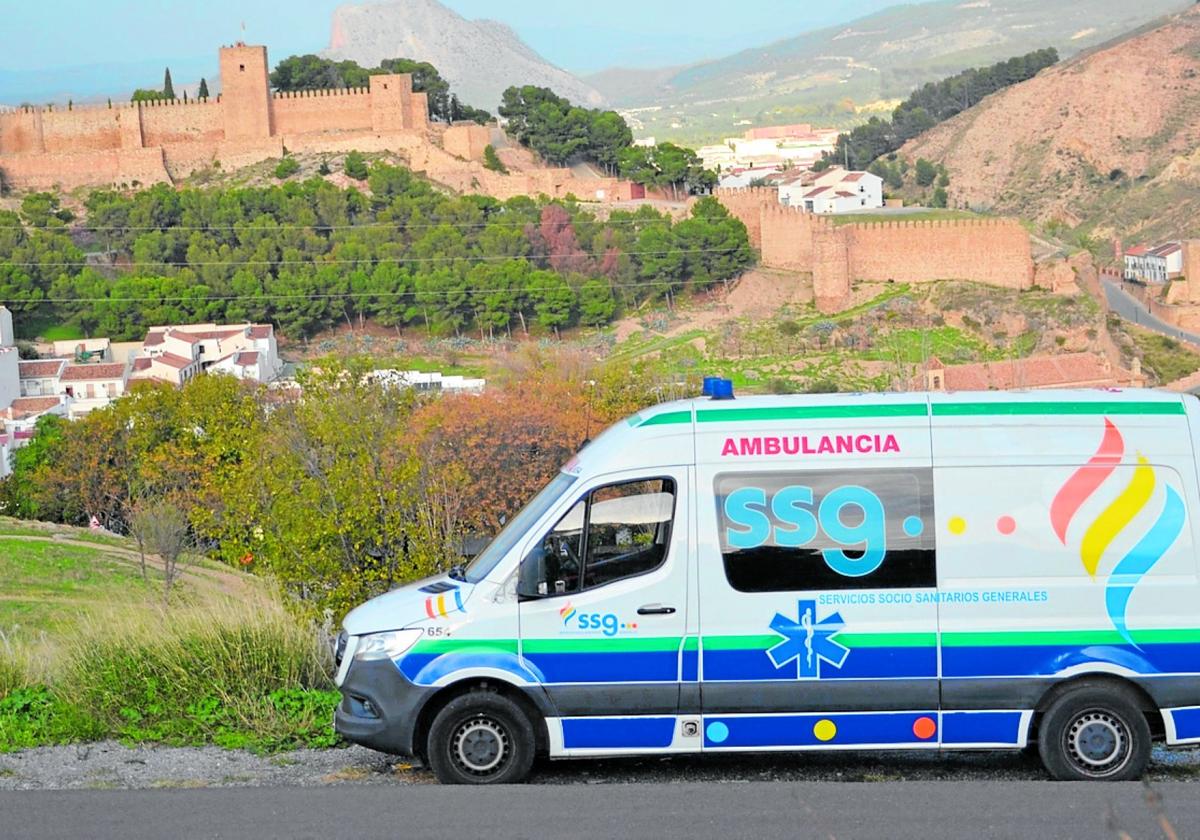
point(481, 738)
point(1095, 733)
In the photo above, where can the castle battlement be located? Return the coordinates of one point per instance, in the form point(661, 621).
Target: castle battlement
point(161, 139)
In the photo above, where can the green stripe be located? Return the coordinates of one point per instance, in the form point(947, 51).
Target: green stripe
point(1067, 638)
point(671, 418)
point(630, 644)
point(691, 643)
point(1054, 408)
point(440, 646)
point(810, 412)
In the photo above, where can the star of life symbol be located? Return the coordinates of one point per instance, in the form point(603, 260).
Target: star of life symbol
point(808, 641)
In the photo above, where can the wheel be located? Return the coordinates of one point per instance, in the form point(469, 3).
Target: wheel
point(1095, 733)
point(481, 738)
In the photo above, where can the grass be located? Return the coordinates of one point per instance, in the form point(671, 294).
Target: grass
point(95, 654)
point(930, 215)
point(1163, 356)
point(62, 332)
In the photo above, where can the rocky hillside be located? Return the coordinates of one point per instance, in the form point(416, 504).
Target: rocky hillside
point(480, 58)
point(879, 57)
point(1109, 141)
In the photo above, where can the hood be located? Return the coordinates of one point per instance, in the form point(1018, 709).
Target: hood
point(427, 599)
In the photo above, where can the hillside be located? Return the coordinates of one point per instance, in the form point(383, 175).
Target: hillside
point(878, 57)
point(480, 58)
point(1107, 141)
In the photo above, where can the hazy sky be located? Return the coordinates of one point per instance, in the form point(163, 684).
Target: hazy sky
point(580, 35)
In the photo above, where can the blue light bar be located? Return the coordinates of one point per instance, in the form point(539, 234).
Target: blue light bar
point(723, 389)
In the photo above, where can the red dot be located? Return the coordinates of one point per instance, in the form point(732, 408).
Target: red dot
point(924, 728)
point(1006, 525)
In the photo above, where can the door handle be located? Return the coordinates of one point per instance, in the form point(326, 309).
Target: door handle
point(656, 609)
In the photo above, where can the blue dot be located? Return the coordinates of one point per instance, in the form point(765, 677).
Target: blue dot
point(914, 526)
point(717, 732)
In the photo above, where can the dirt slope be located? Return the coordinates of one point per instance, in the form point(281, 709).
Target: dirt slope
point(1108, 139)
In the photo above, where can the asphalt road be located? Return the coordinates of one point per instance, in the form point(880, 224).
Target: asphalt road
point(895, 810)
point(1131, 309)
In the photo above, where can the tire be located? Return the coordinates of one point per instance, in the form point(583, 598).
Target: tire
point(481, 738)
point(1095, 733)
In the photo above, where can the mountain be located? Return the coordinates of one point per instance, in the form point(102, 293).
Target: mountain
point(480, 58)
point(831, 75)
point(1109, 141)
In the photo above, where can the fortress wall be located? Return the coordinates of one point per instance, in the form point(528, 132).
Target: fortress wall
point(787, 237)
point(986, 251)
point(321, 111)
point(84, 129)
point(21, 132)
point(168, 122)
point(831, 268)
point(467, 141)
point(418, 112)
point(747, 205)
point(69, 171)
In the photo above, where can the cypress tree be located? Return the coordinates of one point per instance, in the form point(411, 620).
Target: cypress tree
point(203, 92)
point(168, 88)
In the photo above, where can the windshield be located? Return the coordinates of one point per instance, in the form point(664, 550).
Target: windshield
point(482, 565)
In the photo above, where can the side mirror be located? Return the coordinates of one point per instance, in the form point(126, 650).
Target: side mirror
point(531, 579)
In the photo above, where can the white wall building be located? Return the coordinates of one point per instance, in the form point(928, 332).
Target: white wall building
point(427, 381)
point(8, 338)
point(247, 351)
point(835, 191)
point(40, 377)
point(93, 386)
point(1154, 265)
point(10, 376)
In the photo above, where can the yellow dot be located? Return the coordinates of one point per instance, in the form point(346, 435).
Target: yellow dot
point(958, 526)
point(825, 730)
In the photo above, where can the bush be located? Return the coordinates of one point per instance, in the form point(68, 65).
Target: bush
point(356, 166)
point(286, 168)
point(492, 161)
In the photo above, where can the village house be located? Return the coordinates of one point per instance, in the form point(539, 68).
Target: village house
point(41, 377)
point(1144, 264)
point(1073, 370)
point(90, 387)
point(175, 354)
point(834, 191)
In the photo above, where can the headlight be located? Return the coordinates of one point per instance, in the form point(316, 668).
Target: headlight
point(390, 645)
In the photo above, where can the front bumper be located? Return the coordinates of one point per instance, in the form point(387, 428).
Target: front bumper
point(379, 708)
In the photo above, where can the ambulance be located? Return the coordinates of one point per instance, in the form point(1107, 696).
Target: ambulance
point(964, 571)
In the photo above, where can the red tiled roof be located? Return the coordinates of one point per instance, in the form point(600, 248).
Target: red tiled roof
point(142, 363)
point(218, 334)
point(1136, 251)
point(1166, 250)
point(30, 406)
point(40, 369)
point(853, 177)
point(92, 373)
point(246, 359)
point(261, 331)
point(187, 338)
point(844, 194)
point(153, 339)
point(816, 192)
point(171, 360)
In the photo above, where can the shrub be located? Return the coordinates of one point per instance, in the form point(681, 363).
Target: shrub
point(492, 161)
point(286, 168)
point(356, 166)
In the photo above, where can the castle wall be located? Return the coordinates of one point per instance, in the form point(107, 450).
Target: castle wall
point(245, 92)
point(998, 253)
point(168, 122)
point(747, 205)
point(85, 129)
point(322, 111)
point(69, 171)
point(787, 236)
point(467, 141)
point(21, 132)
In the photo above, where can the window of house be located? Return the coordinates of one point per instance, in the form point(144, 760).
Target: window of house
point(91, 391)
point(813, 531)
point(615, 532)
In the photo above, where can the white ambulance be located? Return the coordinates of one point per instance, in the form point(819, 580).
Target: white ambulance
point(868, 572)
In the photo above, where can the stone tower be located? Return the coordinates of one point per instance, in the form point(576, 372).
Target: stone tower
point(245, 92)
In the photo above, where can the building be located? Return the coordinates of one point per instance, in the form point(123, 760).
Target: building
point(41, 377)
point(10, 376)
point(93, 386)
point(785, 145)
point(1144, 264)
point(8, 338)
point(175, 354)
point(834, 191)
point(1071, 370)
point(157, 141)
point(420, 381)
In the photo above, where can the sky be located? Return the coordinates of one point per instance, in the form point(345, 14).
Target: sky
point(88, 46)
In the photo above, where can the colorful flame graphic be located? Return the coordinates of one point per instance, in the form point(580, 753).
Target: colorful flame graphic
point(1115, 519)
point(567, 611)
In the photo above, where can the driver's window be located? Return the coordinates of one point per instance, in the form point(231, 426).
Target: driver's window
point(615, 532)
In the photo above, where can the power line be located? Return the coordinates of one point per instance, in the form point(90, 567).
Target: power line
point(317, 262)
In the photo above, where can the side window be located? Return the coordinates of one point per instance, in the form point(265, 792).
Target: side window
point(868, 529)
point(615, 532)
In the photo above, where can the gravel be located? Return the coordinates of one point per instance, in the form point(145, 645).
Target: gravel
point(109, 765)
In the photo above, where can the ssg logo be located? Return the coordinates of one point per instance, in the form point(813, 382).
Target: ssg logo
point(808, 641)
point(608, 624)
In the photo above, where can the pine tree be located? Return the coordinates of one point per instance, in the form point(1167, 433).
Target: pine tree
point(203, 92)
point(168, 88)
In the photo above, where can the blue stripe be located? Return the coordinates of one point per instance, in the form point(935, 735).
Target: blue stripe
point(981, 728)
point(618, 733)
point(691, 665)
point(1050, 660)
point(623, 667)
point(862, 663)
point(428, 668)
point(1187, 723)
point(798, 730)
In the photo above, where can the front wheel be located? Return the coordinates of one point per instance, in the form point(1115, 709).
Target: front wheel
point(481, 738)
point(1095, 733)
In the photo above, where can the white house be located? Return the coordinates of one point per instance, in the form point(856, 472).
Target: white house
point(247, 351)
point(834, 191)
point(420, 381)
point(93, 386)
point(8, 338)
point(10, 376)
point(40, 377)
point(1154, 265)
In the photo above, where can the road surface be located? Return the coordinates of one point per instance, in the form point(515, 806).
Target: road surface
point(1132, 309)
point(892, 810)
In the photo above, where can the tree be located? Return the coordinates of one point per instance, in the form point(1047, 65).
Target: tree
point(561, 132)
point(355, 166)
point(162, 528)
point(145, 95)
point(168, 88)
point(596, 303)
point(203, 92)
point(286, 168)
point(940, 198)
point(926, 173)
